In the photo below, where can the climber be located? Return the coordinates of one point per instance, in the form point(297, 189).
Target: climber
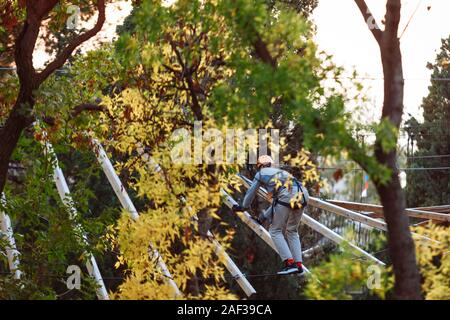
point(288, 199)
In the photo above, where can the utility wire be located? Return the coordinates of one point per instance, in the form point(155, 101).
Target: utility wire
point(340, 77)
point(410, 19)
point(14, 69)
point(404, 169)
point(382, 78)
point(429, 156)
point(63, 276)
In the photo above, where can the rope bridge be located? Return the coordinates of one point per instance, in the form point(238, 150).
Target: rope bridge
point(327, 219)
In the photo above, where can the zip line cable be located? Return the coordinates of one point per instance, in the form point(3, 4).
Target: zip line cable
point(63, 276)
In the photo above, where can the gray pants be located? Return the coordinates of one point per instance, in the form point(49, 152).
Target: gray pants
point(288, 220)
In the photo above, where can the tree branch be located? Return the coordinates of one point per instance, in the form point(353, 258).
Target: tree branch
point(40, 8)
point(26, 41)
point(186, 73)
point(367, 15)
point(85, 107)
point(76, 111)
point(262, 52)
point(66, 53)
point(393, 8)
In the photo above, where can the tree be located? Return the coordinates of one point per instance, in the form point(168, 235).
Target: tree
point(31, 15)
point(432, 187)
point(44, 231)
point(180, 56)
point(434, 261)
point(327, 126)
point(229, 63)
point(401, 244)
point(304, 7)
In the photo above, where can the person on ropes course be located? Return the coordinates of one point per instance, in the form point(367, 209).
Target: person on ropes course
point(288, 199)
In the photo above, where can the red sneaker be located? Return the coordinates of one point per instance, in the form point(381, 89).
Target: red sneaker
point(289, 267)
point(299, 267)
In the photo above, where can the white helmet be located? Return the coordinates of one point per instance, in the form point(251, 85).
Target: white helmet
point(264, 161)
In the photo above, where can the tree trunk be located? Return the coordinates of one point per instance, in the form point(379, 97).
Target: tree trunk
point(10, 133)
point(21, 114)
point(401, 244)
point(9, 137)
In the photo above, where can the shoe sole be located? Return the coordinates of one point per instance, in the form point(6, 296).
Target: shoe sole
point(290, 271)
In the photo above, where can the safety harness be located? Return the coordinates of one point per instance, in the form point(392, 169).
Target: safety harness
point(294, 206)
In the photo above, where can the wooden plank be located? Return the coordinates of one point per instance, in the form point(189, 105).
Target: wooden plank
point(324, 205)
point(233, 268)
point(438, 209)
point(427, 215)
point(415, 213)
point(357, 206)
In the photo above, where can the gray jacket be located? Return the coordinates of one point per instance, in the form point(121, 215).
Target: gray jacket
point(274, 179)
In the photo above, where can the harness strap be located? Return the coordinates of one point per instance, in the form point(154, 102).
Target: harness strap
point(304, 203)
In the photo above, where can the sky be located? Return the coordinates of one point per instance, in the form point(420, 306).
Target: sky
point(343, 33)
point(115, 13)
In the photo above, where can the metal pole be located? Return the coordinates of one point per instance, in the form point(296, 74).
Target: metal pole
point(229, 263)
point(11, 250)
point(126, 202)
point(64, 193)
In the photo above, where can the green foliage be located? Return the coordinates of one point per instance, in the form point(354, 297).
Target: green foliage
point(387, 134)
point(294, 85)
point(255, 85)
point(345, 276)
point(434, 261)
point(46, 236)
point(191, 46)
point(230, 63)
point(304, 7)
point(432, 187)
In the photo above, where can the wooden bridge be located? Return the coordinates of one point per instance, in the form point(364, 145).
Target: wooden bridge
point(364, 217)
